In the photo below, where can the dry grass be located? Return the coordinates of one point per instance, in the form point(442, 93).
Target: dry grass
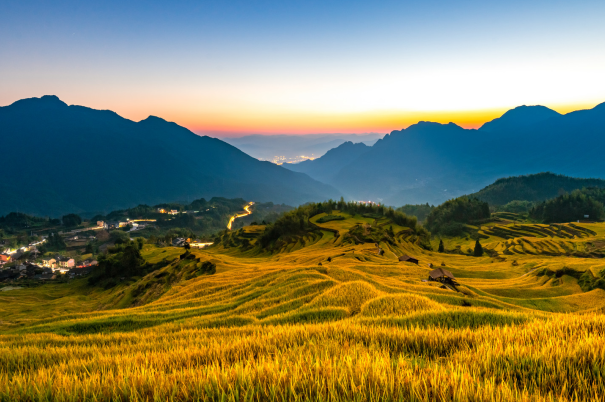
point(398, 305)
point(541, 360)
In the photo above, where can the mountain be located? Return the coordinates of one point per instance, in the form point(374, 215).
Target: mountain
point(432, 162)
point(534, 188)
point(326, 167)
point(519, 117)
point(58, 158)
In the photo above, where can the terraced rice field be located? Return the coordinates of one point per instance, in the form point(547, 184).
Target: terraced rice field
point(322, 320)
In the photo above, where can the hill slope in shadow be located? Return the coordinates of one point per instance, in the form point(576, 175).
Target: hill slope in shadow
point(432, 162)
point(62, 158)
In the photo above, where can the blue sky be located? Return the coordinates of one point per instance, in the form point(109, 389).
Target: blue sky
point(269, 67)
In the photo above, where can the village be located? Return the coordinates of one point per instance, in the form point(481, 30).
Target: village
point(44, 269)
point(28, 263)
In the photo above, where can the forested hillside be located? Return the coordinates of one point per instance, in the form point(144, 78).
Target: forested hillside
point(450, 217)
point(534, 188)
point(585, 204)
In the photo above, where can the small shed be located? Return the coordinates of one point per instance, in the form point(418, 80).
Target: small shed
point(407, 258)
point(443, 276)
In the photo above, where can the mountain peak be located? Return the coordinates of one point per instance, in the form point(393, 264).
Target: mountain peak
point(158, 122)
point(519, 117)
point(424, 124)
point(152, 118)
point(51, 99)
point(45, 101)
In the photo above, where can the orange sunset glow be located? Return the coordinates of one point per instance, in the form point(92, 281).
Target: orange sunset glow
point(318, 123)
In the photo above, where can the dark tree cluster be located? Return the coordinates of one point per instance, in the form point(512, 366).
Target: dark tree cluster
point(54, 242)
point(16, 222)
point(420, 211)
point(71, 220)
point(122, 260)
point(450, 217)
point(571, 207)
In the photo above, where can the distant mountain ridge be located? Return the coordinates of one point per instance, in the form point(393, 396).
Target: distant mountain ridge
point(59, 158)
point(519, 117)
point(432, 162)
point(327, 166)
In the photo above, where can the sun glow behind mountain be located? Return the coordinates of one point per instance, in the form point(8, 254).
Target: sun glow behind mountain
point(378, 121)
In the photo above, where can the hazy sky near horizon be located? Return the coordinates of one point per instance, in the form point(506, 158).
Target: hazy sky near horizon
point(244, 67)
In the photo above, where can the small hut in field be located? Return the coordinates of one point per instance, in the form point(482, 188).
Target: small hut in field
point(407, 258)
point(444, 276)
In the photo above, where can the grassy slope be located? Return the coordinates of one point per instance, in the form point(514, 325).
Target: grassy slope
point(281, 324)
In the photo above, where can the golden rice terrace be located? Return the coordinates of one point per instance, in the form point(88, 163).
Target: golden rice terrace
point(330, 315)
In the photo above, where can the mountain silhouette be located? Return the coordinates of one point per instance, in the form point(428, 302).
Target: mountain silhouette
point(432, 162)
point(519, 117)
point(59, 158)
point(325, 168)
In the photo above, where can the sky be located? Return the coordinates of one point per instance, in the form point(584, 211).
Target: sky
point(230, 68)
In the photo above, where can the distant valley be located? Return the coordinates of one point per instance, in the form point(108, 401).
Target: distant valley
point(281, 149)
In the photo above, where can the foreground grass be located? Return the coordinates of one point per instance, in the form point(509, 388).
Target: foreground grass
point(560, 358)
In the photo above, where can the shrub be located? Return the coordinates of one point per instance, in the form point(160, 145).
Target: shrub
point(329, 218)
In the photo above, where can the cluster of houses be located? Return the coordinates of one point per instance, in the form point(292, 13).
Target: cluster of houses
point(168, 211)
point(81, 238)
point(134, 225)
point(181, 242)
point(48, 269)
point(174, 211)
point(32, 247)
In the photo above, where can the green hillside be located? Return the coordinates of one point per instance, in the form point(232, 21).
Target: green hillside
point(534, 188)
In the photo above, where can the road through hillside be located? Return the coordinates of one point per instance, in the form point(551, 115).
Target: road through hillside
point(233, 218)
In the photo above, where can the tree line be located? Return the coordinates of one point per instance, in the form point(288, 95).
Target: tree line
point(579, 204)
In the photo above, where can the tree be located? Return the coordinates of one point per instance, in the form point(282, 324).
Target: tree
point(449, 218)
point(140, 241)
point(88, 249)
point(478, 249)
point(70, 220)
point(55, 242)
point(441, 246)
point(119, 237)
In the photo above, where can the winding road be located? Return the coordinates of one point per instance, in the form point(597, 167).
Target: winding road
point(248, 212)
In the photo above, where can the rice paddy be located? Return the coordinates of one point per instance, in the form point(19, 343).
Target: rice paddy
point(323, 319)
